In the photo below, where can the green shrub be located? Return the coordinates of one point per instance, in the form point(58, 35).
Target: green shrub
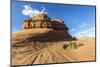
point(70, 44)
point(74, 45)
point(65, 46)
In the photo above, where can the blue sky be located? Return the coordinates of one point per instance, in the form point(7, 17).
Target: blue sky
point(79, 19)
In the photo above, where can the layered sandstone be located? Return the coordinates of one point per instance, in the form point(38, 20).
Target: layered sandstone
point(43, 21)
point(41, 41)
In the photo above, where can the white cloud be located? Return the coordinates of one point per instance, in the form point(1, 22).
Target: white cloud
point(29, 11)
point(72, 30)
point(83, 25)
point(43, 10)
point(86, 33)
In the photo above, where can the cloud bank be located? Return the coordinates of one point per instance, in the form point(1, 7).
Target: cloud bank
point(29, 11)
point(83, 25)
point(86, 33)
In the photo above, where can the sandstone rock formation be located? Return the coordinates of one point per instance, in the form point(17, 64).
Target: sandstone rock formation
point(41, 42)
point(43, 21)
point(39, 33)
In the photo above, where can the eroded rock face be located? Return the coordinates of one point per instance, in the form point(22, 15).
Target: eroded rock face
point(43, 21)
point(39, 33)
point(41, 28)
point(43, 41)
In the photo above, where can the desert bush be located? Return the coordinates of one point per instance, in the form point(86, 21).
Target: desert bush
point(70, 44)
point(74, 45)
point(65, 46)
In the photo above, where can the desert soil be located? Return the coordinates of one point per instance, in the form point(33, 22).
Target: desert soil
point(53, 52)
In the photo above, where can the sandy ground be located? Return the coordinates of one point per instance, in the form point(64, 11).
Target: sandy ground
point(54, 53)
point(49, 52)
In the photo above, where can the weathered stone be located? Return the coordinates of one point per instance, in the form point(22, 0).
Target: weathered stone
point(26, 25)
point(43, 21)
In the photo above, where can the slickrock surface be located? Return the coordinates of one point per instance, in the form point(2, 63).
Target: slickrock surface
point(26, 51)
